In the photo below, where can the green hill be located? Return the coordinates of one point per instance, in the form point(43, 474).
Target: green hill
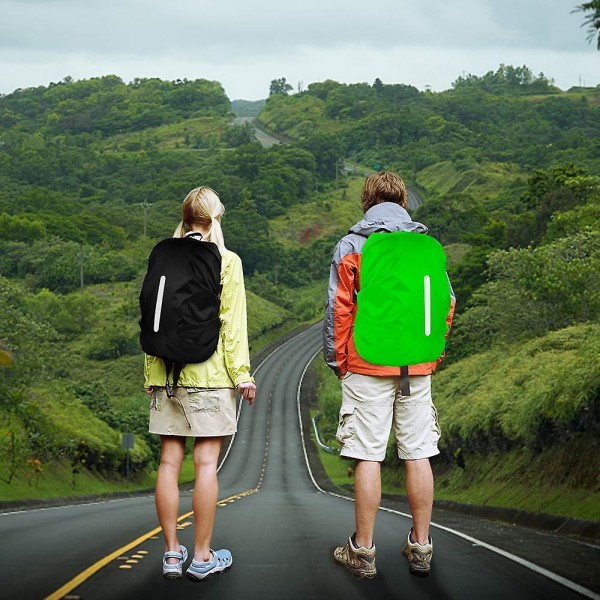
point(92, 174)
point(509, 170)
point(519, 424)
point(247, 108)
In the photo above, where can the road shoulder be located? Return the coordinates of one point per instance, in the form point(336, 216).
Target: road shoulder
point(567, 547)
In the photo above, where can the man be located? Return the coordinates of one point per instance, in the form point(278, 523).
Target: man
point(372, 399)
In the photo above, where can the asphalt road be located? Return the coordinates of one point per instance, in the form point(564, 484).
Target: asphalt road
point(280, 528)
point(266, 140)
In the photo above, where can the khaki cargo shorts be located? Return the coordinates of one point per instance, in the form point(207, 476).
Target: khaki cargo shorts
point(371, 405)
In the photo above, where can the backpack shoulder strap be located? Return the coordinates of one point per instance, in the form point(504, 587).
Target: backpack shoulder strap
point(404, 381)
point(176, 368)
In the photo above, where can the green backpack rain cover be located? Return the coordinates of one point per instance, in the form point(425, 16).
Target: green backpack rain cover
point(403, 301)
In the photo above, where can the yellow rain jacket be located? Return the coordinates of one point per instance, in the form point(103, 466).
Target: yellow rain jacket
point(230, 364)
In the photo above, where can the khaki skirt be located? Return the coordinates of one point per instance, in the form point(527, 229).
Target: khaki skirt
point(193, 412)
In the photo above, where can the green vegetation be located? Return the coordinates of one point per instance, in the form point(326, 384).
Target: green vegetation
point(80, 387)
point(247, 108)
point(92, 174)
point(539, 392)
point(510, 177)
point(523, 434)
point(591, 11)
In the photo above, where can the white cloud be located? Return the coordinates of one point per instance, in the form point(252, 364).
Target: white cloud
point(246, 44)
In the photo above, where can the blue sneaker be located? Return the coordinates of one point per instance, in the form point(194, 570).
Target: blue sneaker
point(201, 571)
point(174, 571)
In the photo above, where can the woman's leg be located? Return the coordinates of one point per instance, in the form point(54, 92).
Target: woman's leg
point(167, 488)
point(206, 490)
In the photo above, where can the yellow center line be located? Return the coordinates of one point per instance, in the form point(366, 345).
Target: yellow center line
point(91, 570)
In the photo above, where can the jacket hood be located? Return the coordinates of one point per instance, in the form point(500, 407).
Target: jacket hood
point(386, 216)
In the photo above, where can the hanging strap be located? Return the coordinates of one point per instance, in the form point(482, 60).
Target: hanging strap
point(176, 369)
point(404, 381)
point(170, 388)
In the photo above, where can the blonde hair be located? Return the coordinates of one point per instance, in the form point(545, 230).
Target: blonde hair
point(384, 186)
point(202, 207)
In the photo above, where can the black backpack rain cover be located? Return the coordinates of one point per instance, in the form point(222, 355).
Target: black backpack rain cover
point(180, 302)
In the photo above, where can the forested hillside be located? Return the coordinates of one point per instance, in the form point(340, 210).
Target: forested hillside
point(509, 168)
point(92, 174)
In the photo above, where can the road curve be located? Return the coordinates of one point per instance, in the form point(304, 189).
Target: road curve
point(267, 140)
point(279, 526)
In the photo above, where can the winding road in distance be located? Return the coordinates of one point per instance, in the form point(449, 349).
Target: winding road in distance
point(267, 140)
point(279, 526)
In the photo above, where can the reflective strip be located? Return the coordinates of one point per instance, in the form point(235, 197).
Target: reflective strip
point(159, 301)
point(427, 294)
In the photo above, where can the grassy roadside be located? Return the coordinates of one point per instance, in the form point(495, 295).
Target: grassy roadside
point(57, 480)
point(479, 488)
point(554, 480)
point(38, 483)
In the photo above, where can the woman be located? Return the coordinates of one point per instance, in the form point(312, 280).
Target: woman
point(205, 406)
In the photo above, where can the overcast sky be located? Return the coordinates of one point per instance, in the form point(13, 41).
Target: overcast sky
point(245, 44)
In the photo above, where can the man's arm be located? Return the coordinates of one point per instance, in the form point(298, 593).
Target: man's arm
point(340, 307)
point(449, 318)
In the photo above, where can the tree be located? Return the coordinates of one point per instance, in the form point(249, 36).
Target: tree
point(592, 13)
point(5, 356)
point(532, 291)
point(280, 86)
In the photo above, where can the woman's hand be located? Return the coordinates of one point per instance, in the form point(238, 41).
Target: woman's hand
point(247, 391)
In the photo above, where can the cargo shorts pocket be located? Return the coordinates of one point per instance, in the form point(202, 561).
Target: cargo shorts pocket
point(346, 425)
point(202, 400)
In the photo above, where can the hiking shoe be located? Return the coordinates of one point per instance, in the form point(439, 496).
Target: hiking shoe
point(201, 571)
point(419, 557)
point(360, 561)
point(175, 570)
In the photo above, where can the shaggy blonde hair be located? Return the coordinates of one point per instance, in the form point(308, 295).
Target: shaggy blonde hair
point(202, 207)
point(384, 186)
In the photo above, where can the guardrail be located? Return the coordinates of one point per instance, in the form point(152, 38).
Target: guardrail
point(322, 445)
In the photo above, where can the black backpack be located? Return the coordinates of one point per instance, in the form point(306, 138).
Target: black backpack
point(180, 302)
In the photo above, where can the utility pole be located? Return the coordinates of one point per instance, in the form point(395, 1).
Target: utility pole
point(339, 169)
point(145, 206)
point(81, 255)
point(127, 443)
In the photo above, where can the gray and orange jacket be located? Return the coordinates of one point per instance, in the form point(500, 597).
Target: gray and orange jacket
point(344, 284)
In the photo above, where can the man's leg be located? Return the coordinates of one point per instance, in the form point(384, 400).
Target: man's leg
point(419, 489)
point(417, 434)
point(367, 493)
point(365, 423)
point(358, 554)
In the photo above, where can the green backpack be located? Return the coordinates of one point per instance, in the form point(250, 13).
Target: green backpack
point(403, 301)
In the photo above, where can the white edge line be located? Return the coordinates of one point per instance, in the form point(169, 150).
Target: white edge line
point(521, 561)
point(295, 339)
point(300, 421)
point(42, 508)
